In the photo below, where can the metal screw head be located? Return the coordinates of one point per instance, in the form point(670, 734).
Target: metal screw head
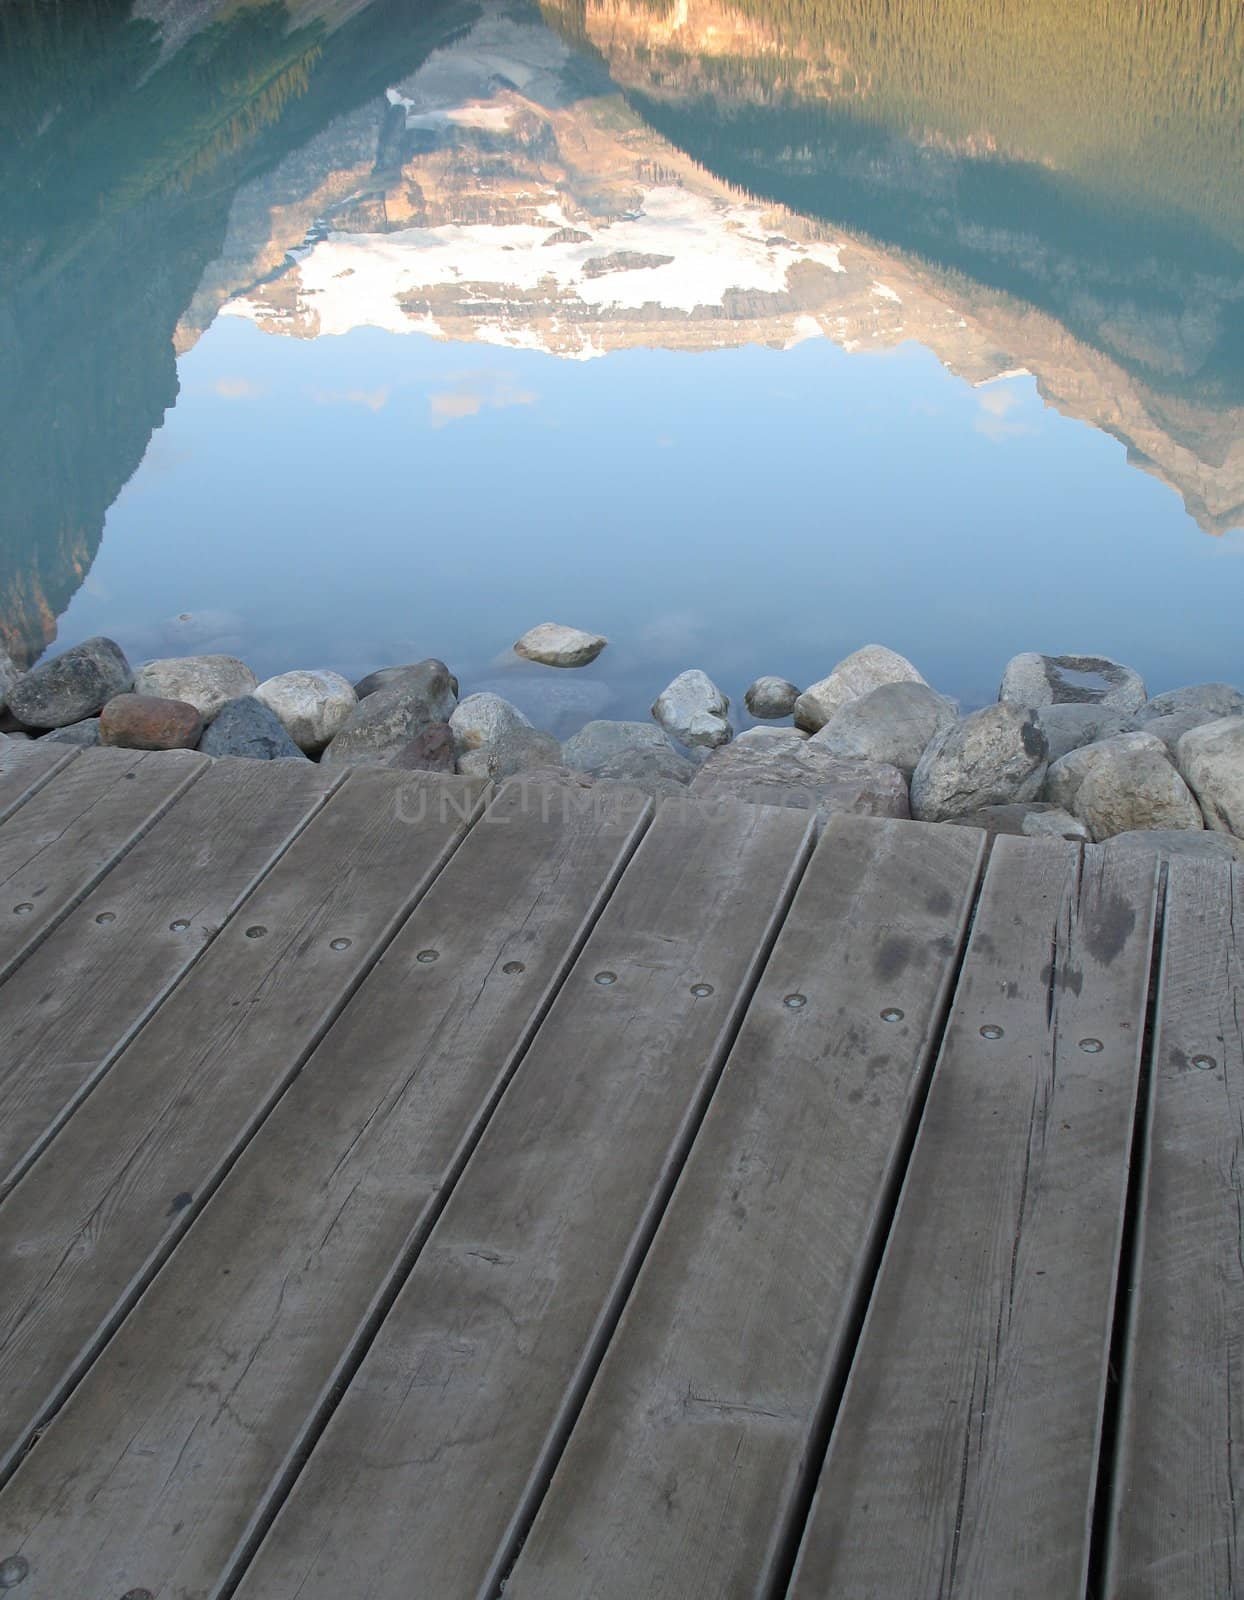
point(13, 1570)
point(891, 1014)
point(257, 932)
point(428, 956)
point(339, 944)
point(1204, 1063)
point(991, 1031)
point(512, 967)
point(701, 989)
point(605, 978)
point(106, 916)
point(179, 926)
point(1091, 1047)
point(23, 908)
point(138, 1594)
point(794, 1002)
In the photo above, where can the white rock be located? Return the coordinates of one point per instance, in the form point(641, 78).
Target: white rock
point(313, 705)
point(1063, 780)
point(693, 710)
point(996, 756)
point(855, 675)
point(554, 645)
point(482, 719)
point(205, 682)
point(1036, 680)
point(1211, 759)
point(1129, 788)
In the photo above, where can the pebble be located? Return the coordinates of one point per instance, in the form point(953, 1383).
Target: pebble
point(146, 722)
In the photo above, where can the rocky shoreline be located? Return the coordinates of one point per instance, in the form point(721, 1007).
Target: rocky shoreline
point(1073, 748)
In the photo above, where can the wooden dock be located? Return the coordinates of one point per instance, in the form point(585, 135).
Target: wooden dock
point(415, 1192)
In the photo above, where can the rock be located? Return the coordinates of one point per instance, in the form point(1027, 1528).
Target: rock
point(1032, 819)
point(1212, 701)
point(855, 675)
point(997, 756)
point(771, 697)
point(555, 701)
point(145, 722)
point(1036, 680)
point(554, 645)
point(1063, 780)
point(10, 672)
point(893, 724)
point(1211, 759)
point(493, 739)
point(1168, 842)
point(481, 719)
point(313, 705)
point(1133, 786)
point(1171, 729)
point(693, 710)
point(20, 738)
point(1071, 724)
point(246, 727)
point(657, 772)
point(205, 682)
point(83, 733)
point(71, 686)
point(761, 735)
point(387, 719)
point(598, 742)
point(782, 769)
point(429, 751)
point(384, 676)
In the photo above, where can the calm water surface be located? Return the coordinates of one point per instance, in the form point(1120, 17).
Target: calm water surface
point(744, 333)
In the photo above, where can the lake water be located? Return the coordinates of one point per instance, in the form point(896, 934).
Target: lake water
point(744, 333)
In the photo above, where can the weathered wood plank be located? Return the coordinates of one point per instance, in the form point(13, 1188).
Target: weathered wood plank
point(434, 1458)
point(79, 998)
point(25, 766)
point(964, 1457)
point(91, 1220)
point(683, 1471)
point(165, 1455)
point(1175, 1527)
point(54, 852)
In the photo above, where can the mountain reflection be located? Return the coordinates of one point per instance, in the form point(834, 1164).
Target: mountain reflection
point(1041, 186)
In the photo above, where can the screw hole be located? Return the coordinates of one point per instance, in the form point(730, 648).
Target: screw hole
point(13, 1571)
point(1091, 1047)
point(606, 978)
point(428, 956)
point(513, 967)
point(991, 1031)
point(701, 989)
point(339, 944)
point(1204, 1063)
point(256, 932)
point(106, 916)
point(795, 1002)
point(891, 1014)
point(23, 909)
point(179, 926)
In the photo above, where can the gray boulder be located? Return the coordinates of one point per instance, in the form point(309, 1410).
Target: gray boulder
point(559, 702)
point(693, 710)
point(246, 727)
point(72, 686)
point(1032, 819)
point(387, 719)
point(554, 645)
point(1211, 759)
point(1171, 729)
point(598, 742)
point(429, 751)
point(997, 756)
point(85, 733)
point(858, 674)
point(384, 676)
point(205, 682)
point(1063, 780)
point(1036, 680)
point(1070, 725)
point(771, 697)
point(314, 706)
point(893, 724)
point(10, 672)
point(1212, 701)
point(493, 739)
point(656, 771)
point(1129, 787)
point(774, 766)
point(1168, 842)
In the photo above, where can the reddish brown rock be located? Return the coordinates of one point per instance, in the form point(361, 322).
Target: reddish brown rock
point(145, 722)
point(429, 751)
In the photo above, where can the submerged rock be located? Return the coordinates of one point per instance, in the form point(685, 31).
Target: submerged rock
point(893, 724)
point(693, 710)
point(997, 756)
point(314, 706)
point(71, 686)
point(858, 674)
point(205, 682)
point(774, 766)
point(1036, 680)
point(387, 719)
point(1211, 759)
point(554, 645)
point(145, 722)
point(771, 697)
point(246, 727)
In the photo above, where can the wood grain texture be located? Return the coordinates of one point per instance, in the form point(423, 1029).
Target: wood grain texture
point(25, 766)
point(964, 1458)
point(54, 852)
point(164, 1457)
point(1178, 1502)
point(434, 1459)
point(682, 1470)
point(80, 997)
point(105, 1202)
